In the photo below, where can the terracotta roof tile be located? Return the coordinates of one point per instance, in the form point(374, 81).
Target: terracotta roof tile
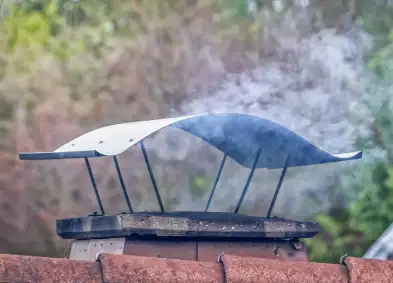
point(137, 269)
point(369, 270)
point(259, 270)
point(111, 268)
point(29, 269)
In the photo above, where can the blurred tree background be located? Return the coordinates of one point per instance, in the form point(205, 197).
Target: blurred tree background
point(321, 68)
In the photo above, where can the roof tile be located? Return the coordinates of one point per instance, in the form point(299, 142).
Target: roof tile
point(138, 269)
point(29, 269)
point(369, 270)
point(258, 270)
point(235, 269)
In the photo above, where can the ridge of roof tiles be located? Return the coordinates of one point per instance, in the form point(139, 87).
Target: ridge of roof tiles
point(111, 268)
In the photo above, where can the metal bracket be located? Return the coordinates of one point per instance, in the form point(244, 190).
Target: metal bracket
point(123, 186)
point(90, 250)
point(342, 259)
point(219, 258)
point(284, 172)
point(216, 182)
point(98, 255)
point(93, 182)
point(254, 165)
point(153, 180)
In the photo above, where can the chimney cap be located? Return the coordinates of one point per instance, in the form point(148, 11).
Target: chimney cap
point(185, 224)
point(251, 141)
point(237, 135)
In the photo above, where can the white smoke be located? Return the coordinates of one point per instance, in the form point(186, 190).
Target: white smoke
point(312, 91)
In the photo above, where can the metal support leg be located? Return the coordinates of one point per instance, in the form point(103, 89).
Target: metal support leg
point(254, 165)
point(153, 180)
point(284, 171)
point(123, 186)
point(93, 182)
point(216, 182)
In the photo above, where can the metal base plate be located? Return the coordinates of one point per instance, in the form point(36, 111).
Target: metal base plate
point(89, 249)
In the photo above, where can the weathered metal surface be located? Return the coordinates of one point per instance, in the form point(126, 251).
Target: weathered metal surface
point(184, 224)
point(253, 270)
point(122, 268)
point(247, 133)
point(186, 250)
point(88, 249)
point(369, 270)
point(209, 251)
point(28, 269)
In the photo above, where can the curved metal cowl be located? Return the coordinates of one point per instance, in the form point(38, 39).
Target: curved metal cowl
point(240, 136)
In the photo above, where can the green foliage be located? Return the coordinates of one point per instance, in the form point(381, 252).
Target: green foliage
point(375, 205)
point(199, 185)
point(239, 8)
point(28, 29)
point(35, 28)
point(354, 228)
point(381, 29)
point(31, 32)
